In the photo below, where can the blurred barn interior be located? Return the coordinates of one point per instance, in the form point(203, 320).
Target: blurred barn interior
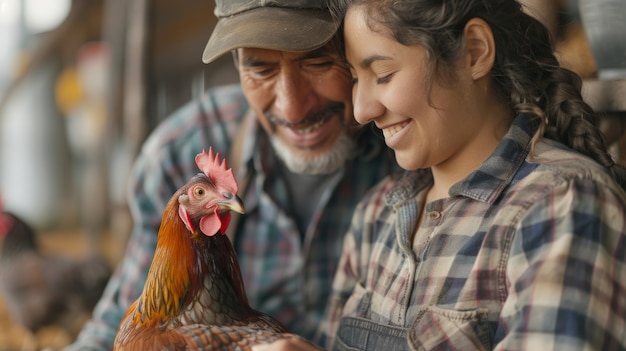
point(79, 96)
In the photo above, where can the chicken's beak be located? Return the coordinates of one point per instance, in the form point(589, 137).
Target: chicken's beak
point(232, 203)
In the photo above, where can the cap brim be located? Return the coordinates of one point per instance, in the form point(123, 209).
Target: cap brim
point(271, 28)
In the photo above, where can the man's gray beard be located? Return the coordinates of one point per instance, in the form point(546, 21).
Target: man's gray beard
point(327, 163)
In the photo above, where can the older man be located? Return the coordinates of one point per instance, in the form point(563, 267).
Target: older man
point(288, 131)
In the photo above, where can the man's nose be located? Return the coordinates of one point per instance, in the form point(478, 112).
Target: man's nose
point(295, 96)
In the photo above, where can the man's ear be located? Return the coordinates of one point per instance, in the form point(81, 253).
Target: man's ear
point(481, 47)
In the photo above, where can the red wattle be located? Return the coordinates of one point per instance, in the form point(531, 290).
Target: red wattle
point(210, 224)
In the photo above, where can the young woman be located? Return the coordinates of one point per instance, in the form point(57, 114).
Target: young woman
point(508, 230)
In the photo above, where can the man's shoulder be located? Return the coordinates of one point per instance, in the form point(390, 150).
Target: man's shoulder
point(208, 120)
point(220, 104)
point(222, 97)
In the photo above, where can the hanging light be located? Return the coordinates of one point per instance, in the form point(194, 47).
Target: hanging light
point(44, 15)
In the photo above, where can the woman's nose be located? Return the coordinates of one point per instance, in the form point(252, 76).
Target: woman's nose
point(365, 104)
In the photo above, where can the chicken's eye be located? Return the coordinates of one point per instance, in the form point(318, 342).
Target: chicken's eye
point(199, 192)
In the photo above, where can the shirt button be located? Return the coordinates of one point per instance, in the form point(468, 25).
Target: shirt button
point(434, 215)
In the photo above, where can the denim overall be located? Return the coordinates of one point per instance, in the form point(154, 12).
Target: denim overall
point(362, 334)
point(435, 330)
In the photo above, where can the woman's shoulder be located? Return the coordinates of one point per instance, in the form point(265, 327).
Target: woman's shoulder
point(557, 172)
point(557, 163)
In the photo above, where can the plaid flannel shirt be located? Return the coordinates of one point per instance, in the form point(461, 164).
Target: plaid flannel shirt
point(287, 274)
point(527, 252)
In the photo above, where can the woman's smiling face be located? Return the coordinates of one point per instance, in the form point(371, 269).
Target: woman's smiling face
point(425, 127)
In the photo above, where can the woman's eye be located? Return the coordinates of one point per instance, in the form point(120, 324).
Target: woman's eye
point(385, 79)
point(354, 80)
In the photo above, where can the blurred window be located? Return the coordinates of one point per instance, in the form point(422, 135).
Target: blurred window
point(20, 22)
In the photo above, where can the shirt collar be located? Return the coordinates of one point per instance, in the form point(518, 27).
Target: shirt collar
point(489, 180)
point(496, 173)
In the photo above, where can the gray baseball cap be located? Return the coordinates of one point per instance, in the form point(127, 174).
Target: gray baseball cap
point(285, 25)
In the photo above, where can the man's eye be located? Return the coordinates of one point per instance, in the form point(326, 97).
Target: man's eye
point(318, 65)
point(262, 72)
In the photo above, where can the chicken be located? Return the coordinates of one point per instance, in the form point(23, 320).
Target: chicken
point(16, 236)
point(42, 290)
point(194, 296)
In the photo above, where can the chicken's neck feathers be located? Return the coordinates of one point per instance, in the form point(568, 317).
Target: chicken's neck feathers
point(192, 279)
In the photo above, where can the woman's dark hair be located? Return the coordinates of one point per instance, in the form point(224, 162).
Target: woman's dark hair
point(526, 71)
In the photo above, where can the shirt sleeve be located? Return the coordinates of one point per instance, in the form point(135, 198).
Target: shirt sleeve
point(150, 187)
point(566, 272)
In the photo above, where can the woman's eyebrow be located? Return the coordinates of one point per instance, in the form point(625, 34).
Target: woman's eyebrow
point(367, 62)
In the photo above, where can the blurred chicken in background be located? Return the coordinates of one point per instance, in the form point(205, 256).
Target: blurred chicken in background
point(40, 289)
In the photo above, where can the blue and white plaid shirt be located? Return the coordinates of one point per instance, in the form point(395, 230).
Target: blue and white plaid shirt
point(526, 253)
point(287, 274)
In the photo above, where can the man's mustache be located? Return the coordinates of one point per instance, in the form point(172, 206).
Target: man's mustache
point(331, 110)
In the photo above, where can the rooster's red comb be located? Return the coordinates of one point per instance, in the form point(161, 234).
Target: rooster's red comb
point(217, 170)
